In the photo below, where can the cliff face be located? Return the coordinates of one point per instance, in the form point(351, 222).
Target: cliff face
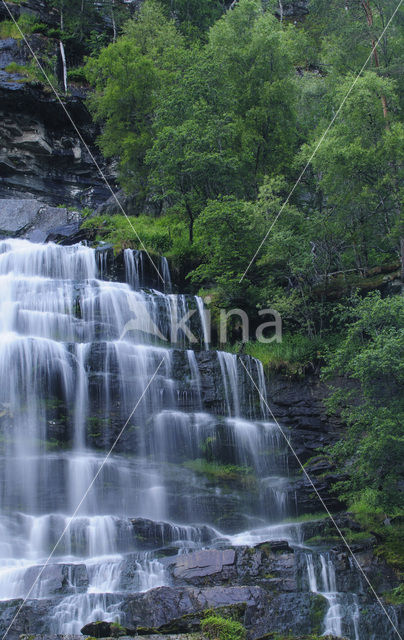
point(41, 155)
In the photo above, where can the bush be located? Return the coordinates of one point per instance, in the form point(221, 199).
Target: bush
point(27, 24)
point(218, 628)
point(159, 235)
point(77, 75)
point(296, 354)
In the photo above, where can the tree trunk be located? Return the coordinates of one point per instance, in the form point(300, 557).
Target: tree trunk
point(280, 11)
point(191, 222)
point(402, 258)
point(113, 21)
point(369, 18)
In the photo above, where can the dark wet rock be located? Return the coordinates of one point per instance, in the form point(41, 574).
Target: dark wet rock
point(36, 220)
point(33, 615)
point(153, 535)
point(267, 567)
point(41, 154)
point(37, 8)
point(171, 610)
point(203, 564)
point(115, 203)
point(299, 404)
point(99, 629)
point(375, 624)
point(57, 579)
point(292, 614)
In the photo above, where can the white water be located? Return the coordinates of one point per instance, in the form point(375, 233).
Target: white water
point(76, 352)
point(322, 580)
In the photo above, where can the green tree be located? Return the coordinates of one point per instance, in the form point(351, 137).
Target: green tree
point(371, 357)
point(227, 119)
point(195, 16)
point(127, 77)
point(358, 169)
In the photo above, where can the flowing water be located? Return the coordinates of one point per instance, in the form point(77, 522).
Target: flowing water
point(77, 351)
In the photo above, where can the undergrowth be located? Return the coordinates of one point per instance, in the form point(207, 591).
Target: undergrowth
point(218, 628)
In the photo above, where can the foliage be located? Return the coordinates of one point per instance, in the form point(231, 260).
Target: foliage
point(127, 76)
point(395, 596)
point(194, 17)
point(27, 25)
point(219, 471)
point(161, 235)
point(371, 356)
point(218, 628)
point(295, 355)
point(359, 167)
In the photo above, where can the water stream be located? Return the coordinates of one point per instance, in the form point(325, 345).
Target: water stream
point(76, 352)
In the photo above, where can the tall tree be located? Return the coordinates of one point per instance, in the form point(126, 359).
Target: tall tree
point(359, 171)
point(128, 76)
point(223, 123)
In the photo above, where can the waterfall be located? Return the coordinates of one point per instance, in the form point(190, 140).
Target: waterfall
point(64, 65)
point(134, 268)
point(342, 616)
point(77, 351)
point(166, 275)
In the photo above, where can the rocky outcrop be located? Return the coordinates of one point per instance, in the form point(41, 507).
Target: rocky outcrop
point(180, 610)
point(58, 579)
point(41, 154)
point(36, 221)
point(299, 404)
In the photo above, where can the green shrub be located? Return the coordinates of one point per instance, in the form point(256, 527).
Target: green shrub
point(219, 471)
point(395, 596)
point(218, 628)
point(77, 75)
point(164, 235)
point(295, 354)
point(27, 24)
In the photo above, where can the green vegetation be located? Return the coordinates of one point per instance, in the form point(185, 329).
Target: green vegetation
point(296, 354)
point(164, 235)
point(371, 356)
point(27, 24)
point(395, 596)
point(217, 628)
point(230, 472)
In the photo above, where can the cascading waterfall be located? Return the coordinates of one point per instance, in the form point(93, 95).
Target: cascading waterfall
point(76, 353)
point(342, 617)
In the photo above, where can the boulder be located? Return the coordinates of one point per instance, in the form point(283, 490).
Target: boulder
point(34, 614)
point(57, 579)
point(98, 629)
point(201, 564)
point(35, 220)
point(266, 567)
point(179, 610)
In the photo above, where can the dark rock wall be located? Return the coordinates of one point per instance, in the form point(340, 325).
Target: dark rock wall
point(41, 154)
